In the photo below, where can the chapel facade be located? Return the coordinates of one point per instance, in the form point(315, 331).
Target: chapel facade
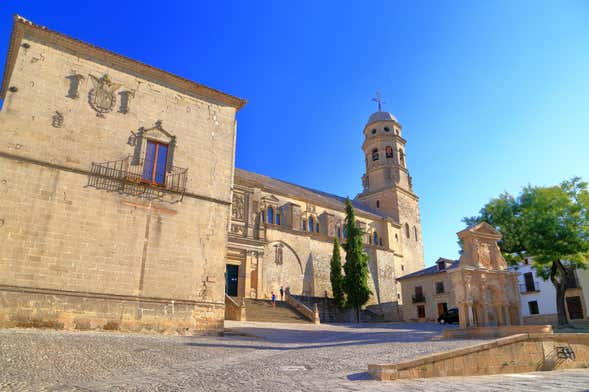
point(281, 234)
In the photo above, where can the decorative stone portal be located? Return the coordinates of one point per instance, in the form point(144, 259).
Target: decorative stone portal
point(486, 292)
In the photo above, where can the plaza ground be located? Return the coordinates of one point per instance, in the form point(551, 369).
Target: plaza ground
point(252, 357)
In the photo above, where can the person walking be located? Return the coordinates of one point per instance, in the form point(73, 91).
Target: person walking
point(281, 293)
point(273, 300)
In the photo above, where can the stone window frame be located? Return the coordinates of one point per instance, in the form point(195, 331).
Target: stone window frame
point(407, 232)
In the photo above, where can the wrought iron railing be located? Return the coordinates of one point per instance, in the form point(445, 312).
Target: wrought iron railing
point(529, 287)
point(418, 298)
point(124, 177)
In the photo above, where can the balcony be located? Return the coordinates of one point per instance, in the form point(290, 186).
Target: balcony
point(417, 298)
point(124, 177)
point(525, 288)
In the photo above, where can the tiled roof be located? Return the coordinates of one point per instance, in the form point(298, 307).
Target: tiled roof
point(313, 196)
point(450, 264)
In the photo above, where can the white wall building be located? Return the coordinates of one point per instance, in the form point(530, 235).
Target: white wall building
point(538, 297)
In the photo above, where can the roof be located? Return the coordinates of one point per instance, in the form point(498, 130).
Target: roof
point(269, 184)
point(450, 264)
point(23, 28)
point(381, 116)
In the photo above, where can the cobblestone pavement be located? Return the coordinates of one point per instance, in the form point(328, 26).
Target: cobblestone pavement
point(272, 357)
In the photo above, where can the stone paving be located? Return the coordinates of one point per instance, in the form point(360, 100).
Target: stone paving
point(256, 357)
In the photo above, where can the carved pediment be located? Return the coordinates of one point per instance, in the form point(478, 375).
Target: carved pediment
point(272, 200)
point(158, 132)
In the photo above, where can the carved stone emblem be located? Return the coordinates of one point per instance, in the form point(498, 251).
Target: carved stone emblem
point(237, 210)
point(57, 120)
point(102, 97)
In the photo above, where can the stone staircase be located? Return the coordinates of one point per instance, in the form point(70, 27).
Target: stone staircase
point(329, 313)
point(262, 310)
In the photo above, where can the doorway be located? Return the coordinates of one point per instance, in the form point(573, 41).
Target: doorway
point(231, 278)
point(574, 307)
point(442, 308)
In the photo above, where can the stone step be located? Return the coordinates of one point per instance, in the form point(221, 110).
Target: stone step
point(262, 310)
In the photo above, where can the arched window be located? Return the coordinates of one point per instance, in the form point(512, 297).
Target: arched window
point(304, 225)
point(387, 129)
point(407, 234)
point(388, 151)
point(401, 157)
point(375, 154)
point(375, 240)
point(311, 224)
point(339, 232)
point(270, 214)
point(378, 204)
point(277, 218)
point(415, 233)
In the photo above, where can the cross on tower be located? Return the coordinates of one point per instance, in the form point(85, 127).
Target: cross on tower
point(378, 100)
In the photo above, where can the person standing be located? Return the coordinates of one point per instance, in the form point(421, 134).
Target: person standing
point(281, 293)
point(273, 300)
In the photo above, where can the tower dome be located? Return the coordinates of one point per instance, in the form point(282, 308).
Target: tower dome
point(381, 116)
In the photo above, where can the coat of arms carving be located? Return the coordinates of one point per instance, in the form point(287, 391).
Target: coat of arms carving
point(102, 97)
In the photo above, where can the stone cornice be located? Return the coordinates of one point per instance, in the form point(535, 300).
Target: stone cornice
point(371, 139)
point(23, 28)
point(359, 196)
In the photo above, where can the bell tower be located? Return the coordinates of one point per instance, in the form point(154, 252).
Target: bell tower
point(387, 186)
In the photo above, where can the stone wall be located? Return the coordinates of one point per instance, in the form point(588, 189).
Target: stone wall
point(74, 255)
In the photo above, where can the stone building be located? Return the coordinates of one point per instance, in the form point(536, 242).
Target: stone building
point(115, 178)
point(117, 181)
point(281, 234)
point(427, 294)
point(479, 284)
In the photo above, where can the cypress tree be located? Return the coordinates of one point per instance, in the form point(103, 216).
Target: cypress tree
point(356, 267)
point(336, 275)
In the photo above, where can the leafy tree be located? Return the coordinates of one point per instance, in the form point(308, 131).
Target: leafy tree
point(549, 223)
point(356, 267)
point(337, 279)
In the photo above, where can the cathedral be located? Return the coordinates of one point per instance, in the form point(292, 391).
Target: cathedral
point(281, 234)
point(121, 208)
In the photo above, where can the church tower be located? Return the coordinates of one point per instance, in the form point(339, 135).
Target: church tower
point(387, 184)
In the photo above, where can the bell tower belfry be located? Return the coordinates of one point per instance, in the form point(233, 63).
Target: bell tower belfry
point(387, 186)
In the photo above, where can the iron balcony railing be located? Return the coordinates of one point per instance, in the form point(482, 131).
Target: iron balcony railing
point(418, 298)
point(143, 179)
point(529, 288)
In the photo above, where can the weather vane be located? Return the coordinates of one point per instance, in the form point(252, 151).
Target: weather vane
point(378, 100)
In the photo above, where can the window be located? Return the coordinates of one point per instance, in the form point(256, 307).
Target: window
point(311, 224)
point(407, 230)
point(533, 306)
point(378, 204)
point(441, 265)
point(529, 281)
point(420, 311)
point(380, 241)
point(345, 233)
point(388, 151)
point(154, 165)
point(304, 225)
point(270, 214)
point(415, 233)
point(375, 240)
point(317, 227)
point(418, 291)
point(387, 129)
point(401, 157)
point(277, 218)
point(439, 287)
point(374, 131)
point(339, 232)
point(375, 154)
point(402, 267)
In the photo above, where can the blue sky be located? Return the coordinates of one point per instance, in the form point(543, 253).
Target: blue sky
point(492, 95)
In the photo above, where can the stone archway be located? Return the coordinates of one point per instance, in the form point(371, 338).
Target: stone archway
point(282, 267)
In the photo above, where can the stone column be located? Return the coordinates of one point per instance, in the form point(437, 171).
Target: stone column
point(506, 315)
point(247, 282)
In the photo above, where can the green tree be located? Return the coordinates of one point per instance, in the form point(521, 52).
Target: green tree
point(549, 223)
point(356, 267)
point(335, 275)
